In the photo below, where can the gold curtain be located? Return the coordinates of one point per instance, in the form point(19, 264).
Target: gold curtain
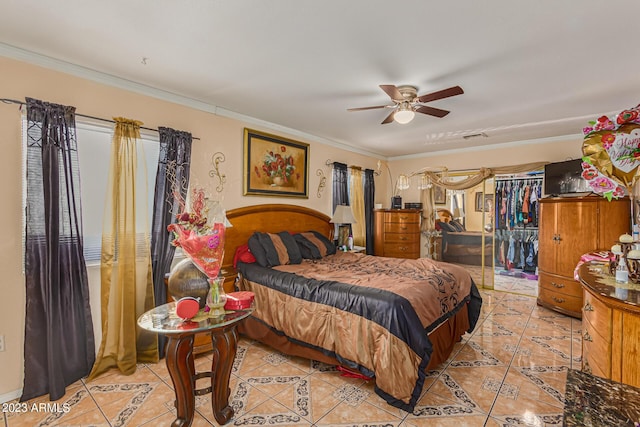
point(475, 178)
point(125, 268)
point(357, 206)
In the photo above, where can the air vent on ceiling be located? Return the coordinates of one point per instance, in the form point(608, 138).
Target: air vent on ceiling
point(476, 135)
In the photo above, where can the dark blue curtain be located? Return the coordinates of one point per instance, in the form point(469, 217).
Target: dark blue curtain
point(59, 346)
point(172, 182)
point(340, 185)
point(369, 198)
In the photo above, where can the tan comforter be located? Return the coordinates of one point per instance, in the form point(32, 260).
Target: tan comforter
point(371, 313)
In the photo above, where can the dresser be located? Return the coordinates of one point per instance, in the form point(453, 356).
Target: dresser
point(610, 326)
point(568, 228)
point(397, 233)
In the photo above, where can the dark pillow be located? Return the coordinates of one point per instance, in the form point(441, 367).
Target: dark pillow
point(314, 245)
point(445, 226)
point(456, 225)
point(271, 249)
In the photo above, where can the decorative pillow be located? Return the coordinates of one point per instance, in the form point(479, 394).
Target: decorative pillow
point(274, 249)
point(243, 254)
point(446, 226)
point(457, 226)
point(314, 245)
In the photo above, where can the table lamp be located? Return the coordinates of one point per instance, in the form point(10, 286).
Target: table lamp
point(343, 216)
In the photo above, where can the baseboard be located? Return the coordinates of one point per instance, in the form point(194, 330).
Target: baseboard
point(7, 397)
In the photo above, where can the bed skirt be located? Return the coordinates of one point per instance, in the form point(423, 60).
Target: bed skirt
point(441, 339)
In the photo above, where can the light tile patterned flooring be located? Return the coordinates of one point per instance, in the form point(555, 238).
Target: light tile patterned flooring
point(509, 371)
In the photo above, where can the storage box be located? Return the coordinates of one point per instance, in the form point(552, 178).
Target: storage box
point(239, 300)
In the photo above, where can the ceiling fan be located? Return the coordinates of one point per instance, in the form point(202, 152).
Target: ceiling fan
point(406, 102)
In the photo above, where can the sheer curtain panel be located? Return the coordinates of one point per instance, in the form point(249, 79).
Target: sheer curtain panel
point(125, 267)
point(357, 207)
point(59, 345)
point(172, 182)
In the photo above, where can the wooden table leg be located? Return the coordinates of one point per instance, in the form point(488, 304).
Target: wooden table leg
point(182, 370)
point(225, 344)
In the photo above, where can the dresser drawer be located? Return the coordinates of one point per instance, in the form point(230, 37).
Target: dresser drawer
point(402, 227)
point(559, 284)
point(560, 300)
point(402, 217)
point(401, 238)
point(402, 250)
point(596, 351)
point(597, 314)
point(590, 366)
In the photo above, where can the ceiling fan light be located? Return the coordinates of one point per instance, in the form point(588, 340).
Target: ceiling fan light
point(404, 114)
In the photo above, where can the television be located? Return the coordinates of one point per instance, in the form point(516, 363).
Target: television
point(565, 179)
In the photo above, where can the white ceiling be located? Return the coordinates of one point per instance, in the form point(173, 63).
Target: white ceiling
point(529, 69)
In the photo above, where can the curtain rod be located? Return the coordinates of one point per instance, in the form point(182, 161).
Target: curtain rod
point(330, 163)
point(14, 101)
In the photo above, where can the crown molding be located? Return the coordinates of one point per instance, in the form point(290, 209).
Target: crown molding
point(110, 80)
point(561, 138)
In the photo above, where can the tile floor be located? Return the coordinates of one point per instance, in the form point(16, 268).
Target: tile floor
point(509, 371)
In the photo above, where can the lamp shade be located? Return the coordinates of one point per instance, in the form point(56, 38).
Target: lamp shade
point(404, 114)
point(343, 215)
point(403, 182)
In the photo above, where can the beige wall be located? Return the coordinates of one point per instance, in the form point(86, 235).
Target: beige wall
point(505, 155)
point(216, 133)
point(20, 80)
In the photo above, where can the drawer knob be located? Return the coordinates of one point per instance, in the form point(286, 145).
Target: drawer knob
point(558, 285)
point(558, 300)
point(587, 337)
point(588, 307)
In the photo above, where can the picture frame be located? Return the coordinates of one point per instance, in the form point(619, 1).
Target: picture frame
point(439, 195)
point(275, 166)
point(484, 202)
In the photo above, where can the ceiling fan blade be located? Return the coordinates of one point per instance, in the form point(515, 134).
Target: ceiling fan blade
point(389, 118)
point(445, 93)
point(392, 91)
point(366, 108)
point(424, 109)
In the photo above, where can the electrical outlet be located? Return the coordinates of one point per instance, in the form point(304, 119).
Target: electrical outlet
point(1, 342)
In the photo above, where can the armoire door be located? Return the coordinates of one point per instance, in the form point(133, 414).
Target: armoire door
point(547, 236)
point(577, 233)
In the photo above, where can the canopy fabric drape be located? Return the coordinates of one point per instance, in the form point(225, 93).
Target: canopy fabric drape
point(172, 183)
point(59, 344)
point(369, 199)
point(357, 207)
point(428, 212)
point(125, 268)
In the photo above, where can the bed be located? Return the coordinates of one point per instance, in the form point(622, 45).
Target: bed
point(390, 319)
point(462, 246)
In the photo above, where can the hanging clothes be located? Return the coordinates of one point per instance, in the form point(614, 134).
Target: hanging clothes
point(516, 217)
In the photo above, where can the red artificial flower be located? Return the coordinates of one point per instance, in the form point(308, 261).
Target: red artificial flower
point(589, 174)
point(627, 116)
point(608, 138)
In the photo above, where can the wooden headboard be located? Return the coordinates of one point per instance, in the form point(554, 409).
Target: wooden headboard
point(270, 218)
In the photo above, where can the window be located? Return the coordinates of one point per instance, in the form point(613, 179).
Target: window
point(94, 154)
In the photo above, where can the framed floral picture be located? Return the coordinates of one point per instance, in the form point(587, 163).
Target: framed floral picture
point(275, 166)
